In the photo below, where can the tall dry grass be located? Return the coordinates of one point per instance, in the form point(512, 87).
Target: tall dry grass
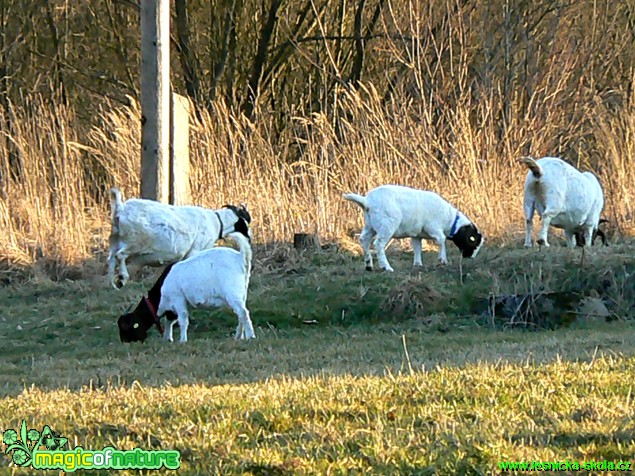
point(45, 210)
point(614, 132)
point(56, 207)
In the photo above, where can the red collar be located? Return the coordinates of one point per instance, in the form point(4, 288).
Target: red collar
point(153, 311)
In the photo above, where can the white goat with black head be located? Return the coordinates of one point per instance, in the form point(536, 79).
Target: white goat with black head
point(154, 234)
point(564, 198)
point(394, 211)
point(215, 277)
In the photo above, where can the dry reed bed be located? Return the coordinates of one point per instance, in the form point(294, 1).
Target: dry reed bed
point(54, 174)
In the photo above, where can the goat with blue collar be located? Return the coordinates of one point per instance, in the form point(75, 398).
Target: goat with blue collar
point(394, 211)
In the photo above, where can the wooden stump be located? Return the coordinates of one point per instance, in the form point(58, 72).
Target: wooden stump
point(305, 241)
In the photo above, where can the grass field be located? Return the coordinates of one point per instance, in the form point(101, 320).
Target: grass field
point(352, 372)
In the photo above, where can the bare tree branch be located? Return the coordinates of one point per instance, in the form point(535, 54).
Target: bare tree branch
point(358, 62)
point(188, 60)
point(266, 34)
point(230, 27)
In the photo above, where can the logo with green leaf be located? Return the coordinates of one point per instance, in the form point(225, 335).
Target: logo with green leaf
point(21, 446)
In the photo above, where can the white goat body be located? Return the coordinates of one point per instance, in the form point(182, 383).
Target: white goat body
point(393, 211)
point(153, 233)
point(563, 197)
point(214, 277)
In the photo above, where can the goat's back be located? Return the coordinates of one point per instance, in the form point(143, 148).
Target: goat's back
point(207, 277)
point(405, 198)
point(414, 210)
point(172, 232)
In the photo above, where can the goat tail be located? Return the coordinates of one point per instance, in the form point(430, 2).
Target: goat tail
point(245, 250)
point(116, 202)
point(358, 199)
point(532, 165)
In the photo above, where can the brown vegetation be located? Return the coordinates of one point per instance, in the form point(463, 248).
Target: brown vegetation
point(303, 101)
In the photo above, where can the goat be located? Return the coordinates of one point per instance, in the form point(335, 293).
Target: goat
point(393, 211)
point(564, 198)
point(154, 234)
point(215, 277)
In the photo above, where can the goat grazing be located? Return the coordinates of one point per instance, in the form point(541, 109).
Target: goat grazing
point(393, 211)
point(564, 198)
point(215, 277)
point(154, 234)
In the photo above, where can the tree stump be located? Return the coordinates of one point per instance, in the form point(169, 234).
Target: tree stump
point(305, 241)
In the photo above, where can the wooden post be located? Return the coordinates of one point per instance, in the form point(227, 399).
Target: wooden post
point(155, 99)
point(179, 151)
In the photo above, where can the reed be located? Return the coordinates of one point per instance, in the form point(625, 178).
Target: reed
point(55, 174)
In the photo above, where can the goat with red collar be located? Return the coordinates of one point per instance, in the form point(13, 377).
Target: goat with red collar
point(154, 234)
point(214, 277)
point(394, 211)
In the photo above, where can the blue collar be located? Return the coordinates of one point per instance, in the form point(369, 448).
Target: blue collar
point(453, 229)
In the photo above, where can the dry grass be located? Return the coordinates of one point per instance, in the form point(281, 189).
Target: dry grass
point(54, 175)
point(452, 94)
point(472, 399)
point(413, 297)
point(441, 421)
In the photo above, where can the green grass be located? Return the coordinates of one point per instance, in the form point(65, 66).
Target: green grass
point(352, 372)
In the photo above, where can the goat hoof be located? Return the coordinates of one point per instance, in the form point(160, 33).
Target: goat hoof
point(120, 282)
point(542, 242)
point(369, 268)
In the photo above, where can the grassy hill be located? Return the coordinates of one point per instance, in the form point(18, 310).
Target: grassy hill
point(403, 373)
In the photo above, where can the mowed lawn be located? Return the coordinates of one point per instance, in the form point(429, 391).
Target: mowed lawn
point(352, 372)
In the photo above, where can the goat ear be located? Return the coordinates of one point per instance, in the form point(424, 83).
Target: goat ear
point(247, 215)
point(242, 227)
